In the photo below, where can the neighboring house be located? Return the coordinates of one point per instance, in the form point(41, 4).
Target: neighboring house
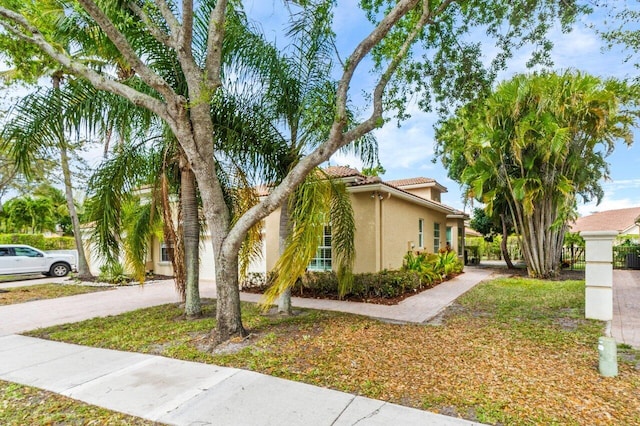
point(391, 219)
point(624, 221)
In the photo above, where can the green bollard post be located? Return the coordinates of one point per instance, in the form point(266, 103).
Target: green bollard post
point(608, 357)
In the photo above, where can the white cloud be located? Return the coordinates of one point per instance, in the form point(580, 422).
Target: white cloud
point(619, 194)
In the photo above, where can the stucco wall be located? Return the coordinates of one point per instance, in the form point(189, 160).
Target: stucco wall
point(272, 230)
point(365, 236)
point(400, 229)
point(428, 193)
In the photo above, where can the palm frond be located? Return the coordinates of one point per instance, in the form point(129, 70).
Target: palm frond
point(309, 214)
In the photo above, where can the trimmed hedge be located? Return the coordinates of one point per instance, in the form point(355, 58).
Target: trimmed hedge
point(39, 241)
point(385, 284)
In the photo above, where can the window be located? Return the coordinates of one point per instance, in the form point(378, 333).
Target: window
point(460, 240)
point(322, 261)
point(421, 233)
point(25, 251)
point(436, 237)
point(166, 252)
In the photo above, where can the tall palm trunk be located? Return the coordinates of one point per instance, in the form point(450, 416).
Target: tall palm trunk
point(284, 301)
point(191, 234)
point(83, 266)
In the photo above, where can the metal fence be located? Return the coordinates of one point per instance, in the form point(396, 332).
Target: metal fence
point(624, 257)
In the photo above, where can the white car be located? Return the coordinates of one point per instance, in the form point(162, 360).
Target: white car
point(22, 259)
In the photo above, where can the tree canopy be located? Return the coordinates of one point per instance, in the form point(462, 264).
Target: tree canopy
point(419, 48)
point(536, 143)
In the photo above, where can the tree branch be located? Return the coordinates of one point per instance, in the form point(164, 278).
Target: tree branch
point(122, 44)
point(213, 62)
point(14, 20)
point(154, 30)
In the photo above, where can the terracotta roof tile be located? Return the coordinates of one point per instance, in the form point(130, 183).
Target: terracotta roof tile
point(410, 181)
point(341, 171)
point(610, 220)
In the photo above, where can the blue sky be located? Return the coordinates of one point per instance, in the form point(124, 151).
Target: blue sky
point(407, 151)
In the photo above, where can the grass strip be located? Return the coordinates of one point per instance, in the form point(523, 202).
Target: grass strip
point(511, 351)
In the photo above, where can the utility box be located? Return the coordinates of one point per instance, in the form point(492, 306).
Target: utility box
point(608, 357)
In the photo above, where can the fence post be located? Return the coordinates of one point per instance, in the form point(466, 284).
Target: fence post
point(599, 274)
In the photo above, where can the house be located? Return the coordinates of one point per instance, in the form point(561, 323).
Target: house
point(391, 217)
point(624, 221)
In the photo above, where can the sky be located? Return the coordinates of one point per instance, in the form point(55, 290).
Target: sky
point(408, 150)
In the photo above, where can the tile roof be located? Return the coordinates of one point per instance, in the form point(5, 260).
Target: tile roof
point(410, 181)
point(341, 171)
point(610, 220)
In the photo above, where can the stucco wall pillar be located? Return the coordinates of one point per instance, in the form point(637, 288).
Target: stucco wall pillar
point(599, 274)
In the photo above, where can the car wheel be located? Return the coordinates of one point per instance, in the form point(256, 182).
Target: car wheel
point(59, 270)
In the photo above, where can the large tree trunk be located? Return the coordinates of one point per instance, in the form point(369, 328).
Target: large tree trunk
point(503, 244)
point(284, 301)
point(191, 233)
point(541, 241)
point(218, 217)
point(228, 311)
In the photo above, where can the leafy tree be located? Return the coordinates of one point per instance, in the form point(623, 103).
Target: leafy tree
point(450, 69)
point(377, 170)
point(622, 30)
point(537, 143)
point(30, 215)
point(483, 224)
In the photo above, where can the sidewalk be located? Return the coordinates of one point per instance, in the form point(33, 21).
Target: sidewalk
point(625, 327)
point(186, 393)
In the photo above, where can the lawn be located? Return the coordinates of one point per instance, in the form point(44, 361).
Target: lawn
point(511, 351)
point(13, 295)
point(24, 405)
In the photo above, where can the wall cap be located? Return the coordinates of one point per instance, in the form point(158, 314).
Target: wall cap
point(599, 235)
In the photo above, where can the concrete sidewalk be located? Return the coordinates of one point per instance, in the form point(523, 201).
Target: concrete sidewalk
point(625, 326)
point(187, 393)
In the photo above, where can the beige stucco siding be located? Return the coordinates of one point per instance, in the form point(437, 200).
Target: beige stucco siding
point(400, 229)
point(364, 213)
point(428, 193)
point(272, 231)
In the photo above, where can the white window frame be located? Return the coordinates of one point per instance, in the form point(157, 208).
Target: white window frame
point(324, 254)
point(420, 233)
point(164, 252)
point(436, 237)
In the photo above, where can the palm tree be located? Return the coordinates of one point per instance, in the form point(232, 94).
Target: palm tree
point(303, 94)
point(535, 144)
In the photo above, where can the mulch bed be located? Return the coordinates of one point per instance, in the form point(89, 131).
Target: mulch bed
point(307, 293)
point(297, 291)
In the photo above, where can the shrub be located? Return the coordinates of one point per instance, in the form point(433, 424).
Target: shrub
point(39, 241)
point(385, 284)
point(113, 273)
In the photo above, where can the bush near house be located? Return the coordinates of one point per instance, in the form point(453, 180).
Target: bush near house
point(39, 241)
point(421, 271)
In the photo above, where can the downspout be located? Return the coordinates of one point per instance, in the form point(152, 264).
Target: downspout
point(381, 198)
point(378, 231)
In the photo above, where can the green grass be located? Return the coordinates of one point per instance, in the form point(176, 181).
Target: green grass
point(511, 351)
point(13, 295)
point(24, 405)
